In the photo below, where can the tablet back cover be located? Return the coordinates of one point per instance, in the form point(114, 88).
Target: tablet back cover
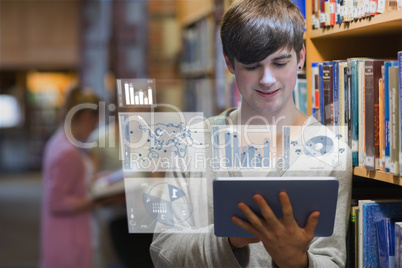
point(307, 194)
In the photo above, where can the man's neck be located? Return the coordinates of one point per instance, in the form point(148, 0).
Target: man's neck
point(293, 117)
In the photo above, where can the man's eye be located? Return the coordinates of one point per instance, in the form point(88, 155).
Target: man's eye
point(279, 64)
point(251, 68)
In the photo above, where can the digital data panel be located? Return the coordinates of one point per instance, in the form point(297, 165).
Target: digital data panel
point(162, 141)
point(156, 205)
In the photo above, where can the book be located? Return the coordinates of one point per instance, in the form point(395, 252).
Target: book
point(108, 185)
point(354, 89)
point(315, 92)
point(400, 109)
point(327, 77)
point(343, 102)
point(371, 211)
point(301, 5)
point(335, 97)
point(324, 13)
point(361, 90)
point(381, 105)
point(386, 242)
point(351, 237)
point(398, 244)
point(372, 144)
point(387, 127)
point(394, 118)
point(316, 14)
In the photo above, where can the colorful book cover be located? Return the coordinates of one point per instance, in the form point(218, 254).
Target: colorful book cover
point(371, 213)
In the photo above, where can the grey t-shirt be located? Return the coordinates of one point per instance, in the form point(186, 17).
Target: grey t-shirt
point(201, 248)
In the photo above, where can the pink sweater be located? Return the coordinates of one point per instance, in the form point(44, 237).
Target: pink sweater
point(65, 236)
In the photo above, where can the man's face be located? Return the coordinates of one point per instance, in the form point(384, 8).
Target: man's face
point(267, 86)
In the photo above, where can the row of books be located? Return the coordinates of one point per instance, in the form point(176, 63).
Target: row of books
point(331, 12)
point(300, 93)
point(197, 53)
point(359, 98)
point(375, 234)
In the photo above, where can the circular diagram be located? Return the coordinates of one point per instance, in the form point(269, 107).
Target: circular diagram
point(167, 204)
point(318, 146)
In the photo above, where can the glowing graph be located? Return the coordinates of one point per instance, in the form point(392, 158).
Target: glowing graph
point(161, 141)
point(240, 148)
point(160, 204)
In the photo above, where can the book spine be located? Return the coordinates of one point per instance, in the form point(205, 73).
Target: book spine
point(324, 17)
point(382, 123)
point(328, 97)
point(332, 12)
point(400, 108)
point(348, 104)
point(321, 90)
point(315, 91)
point(377, 74)
point(353, 79)
point(362, 120)
point(394, 117)
point(369, 114)
point(335, 94)
point(398, 244)
point(386, 116)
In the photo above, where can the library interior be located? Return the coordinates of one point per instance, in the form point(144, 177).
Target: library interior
point(350, 82)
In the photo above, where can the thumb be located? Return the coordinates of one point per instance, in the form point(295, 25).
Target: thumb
point(312, 224)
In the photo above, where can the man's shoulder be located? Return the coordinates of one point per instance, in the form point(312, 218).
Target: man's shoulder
point(221, 118)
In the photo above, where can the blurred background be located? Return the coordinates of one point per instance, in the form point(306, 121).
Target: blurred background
point(47, 46)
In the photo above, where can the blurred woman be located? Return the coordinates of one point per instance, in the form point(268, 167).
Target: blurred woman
point(67, 171)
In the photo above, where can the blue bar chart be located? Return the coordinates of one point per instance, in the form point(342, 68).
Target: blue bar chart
point(231, 154)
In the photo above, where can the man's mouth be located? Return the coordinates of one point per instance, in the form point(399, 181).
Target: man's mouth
point(270, 93)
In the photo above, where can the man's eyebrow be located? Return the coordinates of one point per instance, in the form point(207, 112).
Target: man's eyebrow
point(281, 57)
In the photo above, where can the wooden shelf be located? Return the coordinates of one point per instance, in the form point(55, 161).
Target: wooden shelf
point(194, 10)
point(378, 175)
point(197, 73)
point(378, 25)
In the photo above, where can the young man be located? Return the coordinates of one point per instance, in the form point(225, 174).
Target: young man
point(263, 47)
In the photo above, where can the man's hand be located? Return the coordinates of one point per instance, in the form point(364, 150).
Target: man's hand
point(283, 239)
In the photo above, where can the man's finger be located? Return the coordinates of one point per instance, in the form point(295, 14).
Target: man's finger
point(311, 225)
point(245, 225)
point(287, 210)
point(266, 211)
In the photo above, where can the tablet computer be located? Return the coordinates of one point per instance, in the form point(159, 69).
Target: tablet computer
point(307, 194)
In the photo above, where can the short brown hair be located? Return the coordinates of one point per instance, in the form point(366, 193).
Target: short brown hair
point(251, 30)
point(78, 95)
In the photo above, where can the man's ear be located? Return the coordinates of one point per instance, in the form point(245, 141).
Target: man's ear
point(229, 64)
point(302, 56)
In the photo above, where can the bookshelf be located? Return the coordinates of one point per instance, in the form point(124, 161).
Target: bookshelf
point(377, 36)
point(198, 55)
